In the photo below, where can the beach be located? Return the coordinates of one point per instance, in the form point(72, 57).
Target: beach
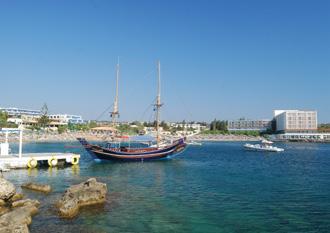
point(31, 136)
point(224, 138)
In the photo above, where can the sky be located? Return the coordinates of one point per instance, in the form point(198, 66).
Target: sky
point(222, 59)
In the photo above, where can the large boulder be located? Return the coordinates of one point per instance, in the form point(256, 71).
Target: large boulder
point(3, 210)
point(2, 202)
point(25, 203)
point(87, 193)
point(18, 219)
point(15, 229)
point(16, 197)
point(45, 188)
point(7, 189)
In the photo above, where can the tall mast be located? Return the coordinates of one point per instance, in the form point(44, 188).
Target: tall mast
point(115, 112)
point(158, 104)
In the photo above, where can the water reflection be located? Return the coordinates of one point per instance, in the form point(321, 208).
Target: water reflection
point(75, 170)
point(52, 171)
point(32, 171)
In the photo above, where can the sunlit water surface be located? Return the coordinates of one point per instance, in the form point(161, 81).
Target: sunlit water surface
point(217, 187)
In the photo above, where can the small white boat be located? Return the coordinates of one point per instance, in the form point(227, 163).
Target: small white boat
point(193, 143)
point(264, 146)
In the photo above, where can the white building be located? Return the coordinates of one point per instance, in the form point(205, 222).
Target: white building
point(66, 118)
point(22, 117)
point(14, 112)
point(17, 121)
point(296, 121)
point(249, 125)
point(195, 126)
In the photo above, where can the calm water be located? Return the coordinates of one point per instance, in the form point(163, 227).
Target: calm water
point(217, 187)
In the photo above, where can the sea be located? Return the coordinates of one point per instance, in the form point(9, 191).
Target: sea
point(217, 187)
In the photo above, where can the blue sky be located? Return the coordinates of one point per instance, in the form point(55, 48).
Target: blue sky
point(220, 59)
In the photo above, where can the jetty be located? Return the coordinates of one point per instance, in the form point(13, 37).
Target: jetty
point(10, 160)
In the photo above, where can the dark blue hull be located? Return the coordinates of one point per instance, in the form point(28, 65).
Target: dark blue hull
point(137, 154)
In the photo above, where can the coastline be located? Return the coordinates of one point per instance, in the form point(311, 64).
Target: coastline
point(224, 138)
point(55, 137)
point(72, 136)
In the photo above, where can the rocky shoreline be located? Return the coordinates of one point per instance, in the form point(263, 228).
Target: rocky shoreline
point(16, 212)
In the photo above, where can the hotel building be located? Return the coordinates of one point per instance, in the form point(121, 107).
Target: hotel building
point(66, 118)
point(22, 117)
point(295, 121)
point(25, 118)
point(15, 112)
point(249, 125)
point(296, 125)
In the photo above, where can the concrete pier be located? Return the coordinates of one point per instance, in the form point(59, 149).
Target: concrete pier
point(30, 160)
point(13, 161)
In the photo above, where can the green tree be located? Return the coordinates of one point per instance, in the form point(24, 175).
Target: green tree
point(92, 124)
point(3, 117)
point(62, 128)
point(137, 123)
point(71, 127)
point(3, 121)
point(44, 119)
point(218, 125)
point(324, 127)
point(164, 125)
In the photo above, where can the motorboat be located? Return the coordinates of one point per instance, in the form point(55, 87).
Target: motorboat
point(194, 143)
point(265, 145)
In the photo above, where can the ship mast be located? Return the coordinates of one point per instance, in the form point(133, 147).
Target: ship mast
point(158, 105)
point(115, 112)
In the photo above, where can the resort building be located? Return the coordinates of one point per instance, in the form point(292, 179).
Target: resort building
point(295, 121)
point(23, 118)
point(249, 125)
point(66, 118)
point(15, 112)
point(195, 126)
point(297, 125)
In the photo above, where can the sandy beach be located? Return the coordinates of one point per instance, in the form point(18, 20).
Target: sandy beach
point(223, 137)
point(29, 136)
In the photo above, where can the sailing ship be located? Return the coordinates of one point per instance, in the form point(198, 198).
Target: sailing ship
point(116, 151)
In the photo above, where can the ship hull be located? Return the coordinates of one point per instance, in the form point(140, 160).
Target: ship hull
point(137, 154)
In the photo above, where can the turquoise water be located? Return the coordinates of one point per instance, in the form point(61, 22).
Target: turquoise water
point(217, 187)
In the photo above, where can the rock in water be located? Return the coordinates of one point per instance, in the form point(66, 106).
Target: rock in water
point(18, 219)
point(87, 193)
point(16, 197)
point(7, 189)
point(3, 210)
point(2, 202)
point(25, 203)
point(37, 187)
